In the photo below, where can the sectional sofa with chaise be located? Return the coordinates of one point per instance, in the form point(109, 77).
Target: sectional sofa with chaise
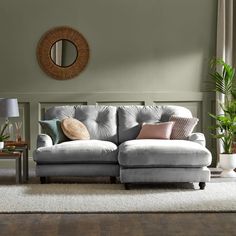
point(114, 151)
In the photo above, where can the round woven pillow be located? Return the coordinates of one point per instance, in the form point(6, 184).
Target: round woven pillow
point(74, 129)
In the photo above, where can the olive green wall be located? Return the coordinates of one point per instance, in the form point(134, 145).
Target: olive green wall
point(136, 45)
point(142, 52)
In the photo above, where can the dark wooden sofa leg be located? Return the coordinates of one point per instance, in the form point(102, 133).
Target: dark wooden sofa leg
point(43, 180)
point(127, 186)
point(112, 179)
point(202, 185)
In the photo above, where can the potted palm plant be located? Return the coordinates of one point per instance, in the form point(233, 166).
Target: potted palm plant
point(226, 122)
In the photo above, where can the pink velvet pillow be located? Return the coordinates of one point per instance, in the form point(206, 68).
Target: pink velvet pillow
point(156, 131)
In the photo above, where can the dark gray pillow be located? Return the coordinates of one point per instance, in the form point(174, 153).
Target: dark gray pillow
point(54, 130)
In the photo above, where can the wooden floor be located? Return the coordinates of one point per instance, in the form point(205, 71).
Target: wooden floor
point(118, 224)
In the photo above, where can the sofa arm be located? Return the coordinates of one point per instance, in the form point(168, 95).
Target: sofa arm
point(198, 138)
point(44, 140)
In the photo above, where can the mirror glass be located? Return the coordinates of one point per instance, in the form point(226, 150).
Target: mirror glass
point(64, 53)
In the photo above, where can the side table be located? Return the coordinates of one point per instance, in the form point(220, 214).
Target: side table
point(17, 157)
point(23, 147)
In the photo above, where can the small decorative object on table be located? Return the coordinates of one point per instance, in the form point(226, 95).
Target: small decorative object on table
point(1, 145)
point(10, 148)
point(18, 131)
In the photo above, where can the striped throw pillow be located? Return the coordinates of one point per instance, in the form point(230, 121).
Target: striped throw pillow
point(183, 127)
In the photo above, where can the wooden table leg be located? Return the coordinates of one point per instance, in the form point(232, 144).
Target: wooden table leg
point(25, 165)
point(18, 170)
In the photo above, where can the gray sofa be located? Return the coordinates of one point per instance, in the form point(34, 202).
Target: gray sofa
point(114, 150)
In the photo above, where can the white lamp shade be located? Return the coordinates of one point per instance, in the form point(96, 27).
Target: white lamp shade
point(9, 107)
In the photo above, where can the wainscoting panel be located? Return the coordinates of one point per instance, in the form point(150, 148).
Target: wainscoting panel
point(118, 103)
point(212, 141)
point(33, 106)
point(25, 119)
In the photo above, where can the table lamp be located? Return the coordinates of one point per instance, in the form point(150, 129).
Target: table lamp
point(8, 108)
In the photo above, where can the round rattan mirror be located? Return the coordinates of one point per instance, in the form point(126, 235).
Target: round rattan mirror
point(62, 53)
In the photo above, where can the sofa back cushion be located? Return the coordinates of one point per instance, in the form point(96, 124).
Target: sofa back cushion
point(100, 121)
point(131, 118)
point(59, 112)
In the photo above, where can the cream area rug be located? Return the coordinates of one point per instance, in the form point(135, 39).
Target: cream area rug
point(86, 198)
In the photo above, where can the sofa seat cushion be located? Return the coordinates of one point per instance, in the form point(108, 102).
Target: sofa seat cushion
point(78, 151)
point(163, 153)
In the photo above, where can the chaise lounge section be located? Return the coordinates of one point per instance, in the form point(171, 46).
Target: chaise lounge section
point(152, 161)
point(157, 160)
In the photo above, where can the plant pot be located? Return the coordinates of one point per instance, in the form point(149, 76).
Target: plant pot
point(1, 145)
point(228, 164)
